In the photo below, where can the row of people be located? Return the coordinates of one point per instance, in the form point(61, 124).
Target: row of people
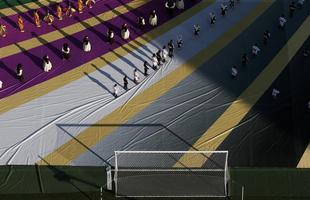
point(66, 51)
point(69, 10)
point(266, 36)
point(158, 60)
point(153, 21)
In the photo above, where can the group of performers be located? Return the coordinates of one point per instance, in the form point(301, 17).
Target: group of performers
point(69, 10)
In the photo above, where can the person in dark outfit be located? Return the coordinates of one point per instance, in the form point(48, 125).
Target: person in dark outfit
point(125, 82)
point(170, 48)
point(170, 5)
point(146, 68)
point(244, 59)
point(292, 8)
point(266, 36)
point(159, 58)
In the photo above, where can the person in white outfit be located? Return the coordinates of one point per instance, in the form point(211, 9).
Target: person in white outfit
point(180, 4)
point(1, 84)
point(234, 71)
point(136, 76)
point(282, 21)
point(275, 92)
point(110, 35)
point(153, 18)
point(154, 62)
point(65, 51)
point(47, 65)
point(115, 90)
point(125, 33)
point(255, 49)
point(164, 54)
point(86, 44)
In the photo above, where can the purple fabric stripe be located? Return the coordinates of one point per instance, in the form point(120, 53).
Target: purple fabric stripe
point(14, 35)
point(32, 59)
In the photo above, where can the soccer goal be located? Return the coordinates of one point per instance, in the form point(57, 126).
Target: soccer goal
point(171, 173)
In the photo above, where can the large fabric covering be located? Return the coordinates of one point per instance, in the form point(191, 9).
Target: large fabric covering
point(49, 128)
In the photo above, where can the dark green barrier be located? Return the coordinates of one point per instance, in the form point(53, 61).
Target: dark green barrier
point(271, 183)
point(48, 180)
point(79, 183)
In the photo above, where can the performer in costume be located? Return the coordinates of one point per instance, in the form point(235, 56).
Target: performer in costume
point(179, 41)
point(48, 18)
point(125, 33)
point(244, 59)
point(267, 35)
point(212, 18)
point(80, 6)
point(36, 18)
point(47, 65)
point(164, 54)
point(223, 9)
point(275, 92)
point(90, 3)
point(141, 22)
point(136, 76)
point(180, 4)
point(154, 62)
point(110, 35)
point(234, 72)
point(3, 30)
point(20, 23)
point(282, 21)
point(65, 51)
point(115, 90)
point(153, 18)
point(196, 29)
point(69, 10)
point(232, 3)
point(255, 49)
point(19, 72)
point(170, 5)
point(125, 82)
point(159, 58)
point(59, 12)
point(86, 44)
point(146, 68)
point(170, 48)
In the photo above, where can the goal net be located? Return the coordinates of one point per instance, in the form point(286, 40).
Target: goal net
point(171, 173)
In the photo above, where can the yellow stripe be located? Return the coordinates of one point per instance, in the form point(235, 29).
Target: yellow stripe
point(69, 30)
point(304, 162)
point(225, 124)
point(26, 7)
point(72, 149)
point(75, 74)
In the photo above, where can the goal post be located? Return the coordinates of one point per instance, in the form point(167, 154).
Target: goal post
point(169, 174)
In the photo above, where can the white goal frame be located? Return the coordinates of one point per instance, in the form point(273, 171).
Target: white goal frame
point(226, 175)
